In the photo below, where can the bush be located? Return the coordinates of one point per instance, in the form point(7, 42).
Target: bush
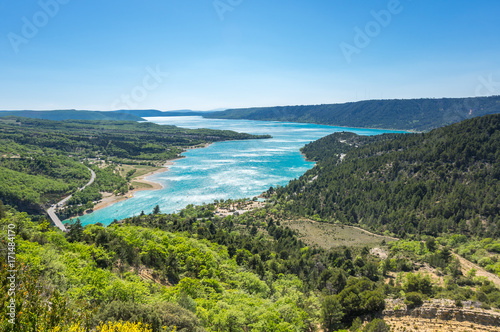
point(360, 297)
point(485, 306)
point(414, 299)
point(418, 283)
point(377, 325)
point(331, 314)
point(109, 327)
point(155, 315)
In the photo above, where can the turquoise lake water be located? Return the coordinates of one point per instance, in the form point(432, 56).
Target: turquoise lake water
point(235, 169)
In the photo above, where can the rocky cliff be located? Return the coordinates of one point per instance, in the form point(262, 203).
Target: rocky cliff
point(444, 310)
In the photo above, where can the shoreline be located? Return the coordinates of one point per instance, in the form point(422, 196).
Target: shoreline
point(107, 201)
point(401, 131)
point(111, 199)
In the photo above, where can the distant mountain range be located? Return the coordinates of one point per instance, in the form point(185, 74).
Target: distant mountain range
point(119, 115)
point(60, 115)
point(156, 113)
point(409, 114)
point(403, 114)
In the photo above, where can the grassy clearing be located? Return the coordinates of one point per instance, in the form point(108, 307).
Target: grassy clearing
point(141, 185)
point(139, 170)
point(330, 236)
point(9, 121)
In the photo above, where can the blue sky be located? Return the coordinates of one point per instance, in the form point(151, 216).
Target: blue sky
point(206, 54)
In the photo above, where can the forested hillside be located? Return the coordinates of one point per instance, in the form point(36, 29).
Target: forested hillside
point(444, 181)
point(112, 139)
point(200, 270)
point(410, 114)
point(60, 115)
point(41, 160)
point(195, 271)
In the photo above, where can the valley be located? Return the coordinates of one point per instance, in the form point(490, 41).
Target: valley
point(249, 166)
point(301, 253)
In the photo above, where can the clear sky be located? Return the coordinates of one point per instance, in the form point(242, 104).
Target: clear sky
point(206, 54)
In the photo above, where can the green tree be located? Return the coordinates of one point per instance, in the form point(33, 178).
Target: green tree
point(431, 244)
point(75, 231)
point(2, 210)
point(413, 299)
point(377, 325)
point(37, 306)
point(418, 283)
point(331, 313)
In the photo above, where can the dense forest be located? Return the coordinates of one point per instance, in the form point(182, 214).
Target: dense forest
point(195, 271)
point(410, 114)
point(111, 139)
point(444, 181)
point(202, 270)
point(41, 160)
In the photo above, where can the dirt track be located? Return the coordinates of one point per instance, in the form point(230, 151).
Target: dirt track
point(481, 272)
point(466, 266)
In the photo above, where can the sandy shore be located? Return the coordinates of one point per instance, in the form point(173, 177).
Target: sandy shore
point(109, 199)
point(202, 146)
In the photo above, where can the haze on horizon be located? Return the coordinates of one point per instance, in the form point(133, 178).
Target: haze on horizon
point(206, 54)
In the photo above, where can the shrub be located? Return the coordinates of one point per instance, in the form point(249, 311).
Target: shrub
point(38, 307)
point(108, 327)
point(414, 299)
point(377, 325)
point(331, 313)
point(155, 315)
point(418, 283)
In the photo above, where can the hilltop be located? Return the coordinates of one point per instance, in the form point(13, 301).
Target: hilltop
point(402, 114)
point(157, 113)
point(59, 115)
point(444, 181)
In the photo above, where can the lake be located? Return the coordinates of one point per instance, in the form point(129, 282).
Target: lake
point(235, 169)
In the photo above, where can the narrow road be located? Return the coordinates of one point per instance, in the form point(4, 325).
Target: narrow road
point(51, 211)
point(92, 178)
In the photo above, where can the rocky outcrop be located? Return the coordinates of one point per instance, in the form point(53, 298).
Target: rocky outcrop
point(444, 310)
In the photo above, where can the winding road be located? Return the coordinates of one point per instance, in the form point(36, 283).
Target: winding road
point(51, 211)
